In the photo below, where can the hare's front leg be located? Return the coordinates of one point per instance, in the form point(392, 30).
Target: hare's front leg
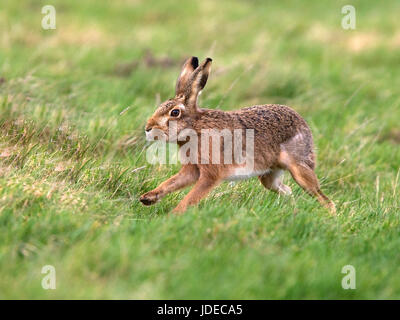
point(202, 187)
point(185, 177)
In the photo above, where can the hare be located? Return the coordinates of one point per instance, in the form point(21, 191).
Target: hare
point(282, 140)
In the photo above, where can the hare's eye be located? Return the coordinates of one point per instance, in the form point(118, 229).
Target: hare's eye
point(175, 112)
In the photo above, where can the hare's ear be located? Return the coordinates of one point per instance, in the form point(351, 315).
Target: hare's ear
point(197, 82)
point(188, 67)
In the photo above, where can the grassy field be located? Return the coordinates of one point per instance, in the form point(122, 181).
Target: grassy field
point(73, 104)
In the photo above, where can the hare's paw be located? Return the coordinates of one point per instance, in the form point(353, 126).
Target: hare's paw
point(149, 198)
point(284, 190)
point(331, 207)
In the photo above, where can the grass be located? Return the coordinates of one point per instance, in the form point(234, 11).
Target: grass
point(73, 103)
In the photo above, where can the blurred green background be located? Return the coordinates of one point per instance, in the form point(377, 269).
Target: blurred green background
point(73, 104)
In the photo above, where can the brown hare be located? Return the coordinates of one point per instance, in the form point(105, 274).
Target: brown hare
point(281, 141)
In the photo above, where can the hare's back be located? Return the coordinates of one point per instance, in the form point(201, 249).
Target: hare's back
point(273, 122)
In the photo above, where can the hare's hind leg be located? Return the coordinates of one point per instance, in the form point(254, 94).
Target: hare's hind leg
point(307, 179)
point(273, 181)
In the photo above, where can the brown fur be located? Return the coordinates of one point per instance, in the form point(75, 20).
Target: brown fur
point(283, 141)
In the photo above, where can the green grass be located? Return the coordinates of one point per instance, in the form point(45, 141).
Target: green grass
point(72, 163)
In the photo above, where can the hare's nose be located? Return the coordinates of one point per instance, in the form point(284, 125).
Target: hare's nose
point(147, 128)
